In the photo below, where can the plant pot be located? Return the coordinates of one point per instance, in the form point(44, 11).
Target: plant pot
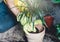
point(36, 37)
point(49, 20)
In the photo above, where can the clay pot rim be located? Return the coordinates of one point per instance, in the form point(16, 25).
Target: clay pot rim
point(37, 33)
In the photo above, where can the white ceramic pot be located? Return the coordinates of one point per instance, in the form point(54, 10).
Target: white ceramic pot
point(36, 37)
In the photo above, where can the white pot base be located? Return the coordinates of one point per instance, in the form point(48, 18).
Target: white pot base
point(36, 37)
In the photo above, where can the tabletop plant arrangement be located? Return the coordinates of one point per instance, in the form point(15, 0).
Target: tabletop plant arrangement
point(31, 16)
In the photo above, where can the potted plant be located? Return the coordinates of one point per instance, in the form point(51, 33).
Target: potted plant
point(33, 21)
point(34, 31)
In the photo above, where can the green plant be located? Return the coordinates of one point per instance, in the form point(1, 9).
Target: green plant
point(35, 10)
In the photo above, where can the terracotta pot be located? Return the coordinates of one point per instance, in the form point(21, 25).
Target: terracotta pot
point(49, 20)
